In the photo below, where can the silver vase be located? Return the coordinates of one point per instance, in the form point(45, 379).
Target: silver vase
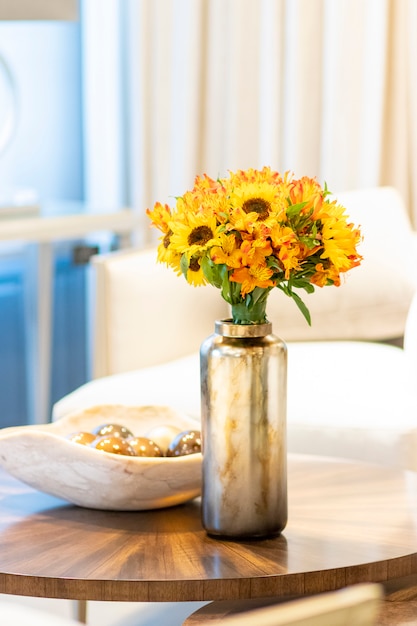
point(243, 404)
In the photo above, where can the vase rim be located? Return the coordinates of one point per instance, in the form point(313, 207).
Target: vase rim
point(228, 328)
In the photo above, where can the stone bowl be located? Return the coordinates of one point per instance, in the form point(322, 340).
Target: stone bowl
point(42, 457)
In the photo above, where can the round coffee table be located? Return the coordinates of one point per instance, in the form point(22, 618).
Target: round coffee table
point(349, 522)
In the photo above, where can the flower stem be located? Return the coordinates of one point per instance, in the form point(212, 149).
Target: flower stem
point(254, 313)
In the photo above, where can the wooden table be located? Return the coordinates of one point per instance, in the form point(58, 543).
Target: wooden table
point(348, 522)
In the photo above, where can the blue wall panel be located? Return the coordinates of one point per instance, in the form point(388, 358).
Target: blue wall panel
point(69, 361)
point(13, 397)
point(69, 340)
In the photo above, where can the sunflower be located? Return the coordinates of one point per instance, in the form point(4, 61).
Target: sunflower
point(161, 215)
point(193, 234)
point(167, 256)
point(194, 274)
point(255, 230)
point(254, 201)
point(340, 239)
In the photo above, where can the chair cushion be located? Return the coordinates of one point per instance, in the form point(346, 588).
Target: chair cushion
point(343, 398)
point(352, 399)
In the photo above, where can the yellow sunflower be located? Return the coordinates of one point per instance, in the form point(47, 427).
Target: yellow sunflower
point(195, 275)
point(254, 230)
point(167, 256)
point(255, 201)
point(161, 216)
point(339, 238)
point(194, 234)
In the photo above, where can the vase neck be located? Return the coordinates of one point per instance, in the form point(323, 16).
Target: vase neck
point(228, 328)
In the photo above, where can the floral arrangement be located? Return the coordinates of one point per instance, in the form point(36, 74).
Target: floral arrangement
point(253, 231)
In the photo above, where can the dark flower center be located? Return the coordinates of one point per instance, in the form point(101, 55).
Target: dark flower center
point(200, 235)
point(167, 239)
point(257, 205)
point(194, 265)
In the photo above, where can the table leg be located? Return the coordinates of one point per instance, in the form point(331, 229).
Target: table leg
point(81, 611)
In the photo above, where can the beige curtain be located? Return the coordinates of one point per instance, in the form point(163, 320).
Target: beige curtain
point(399, 130)
point(325, 88)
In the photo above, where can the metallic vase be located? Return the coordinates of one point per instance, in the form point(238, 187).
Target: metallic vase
point(243, 404)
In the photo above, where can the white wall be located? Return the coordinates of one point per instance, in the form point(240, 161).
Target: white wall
point(46, 151)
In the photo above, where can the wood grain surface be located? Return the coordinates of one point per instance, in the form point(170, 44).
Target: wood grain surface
point(348, 522)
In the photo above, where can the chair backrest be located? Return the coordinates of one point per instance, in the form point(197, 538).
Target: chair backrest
point(144, 314)
point(357, 605)
point(373, 301)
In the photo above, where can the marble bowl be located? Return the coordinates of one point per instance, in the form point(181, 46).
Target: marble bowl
point(42, 457)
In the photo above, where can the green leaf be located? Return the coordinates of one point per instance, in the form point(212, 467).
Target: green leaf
point(273, 263)
point(309, 241)
point(294, 209)
point(284, 287)
point(212, 271)
point(226, 295)
point(326, 191)
point(304, 310)
point(302, 283)
point(259, 294)
point(287, 289)
point(184, 265)
point(234, 291)
point(208, 270)
point(207, 267)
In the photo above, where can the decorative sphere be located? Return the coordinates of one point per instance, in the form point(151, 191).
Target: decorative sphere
point(112, 430)
point(163, 435)
point(115, 445)
point(144, 446)
point(186, 442)
point(82, 437)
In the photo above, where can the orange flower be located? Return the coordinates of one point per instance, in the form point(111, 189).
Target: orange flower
point(306, 190)
point(257, 229)
point(227, 252)
point(325, 276)
point(160, 216)
point(251, 277)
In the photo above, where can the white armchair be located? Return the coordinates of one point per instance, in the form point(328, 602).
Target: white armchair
point(146, 315)
point(348, 397)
